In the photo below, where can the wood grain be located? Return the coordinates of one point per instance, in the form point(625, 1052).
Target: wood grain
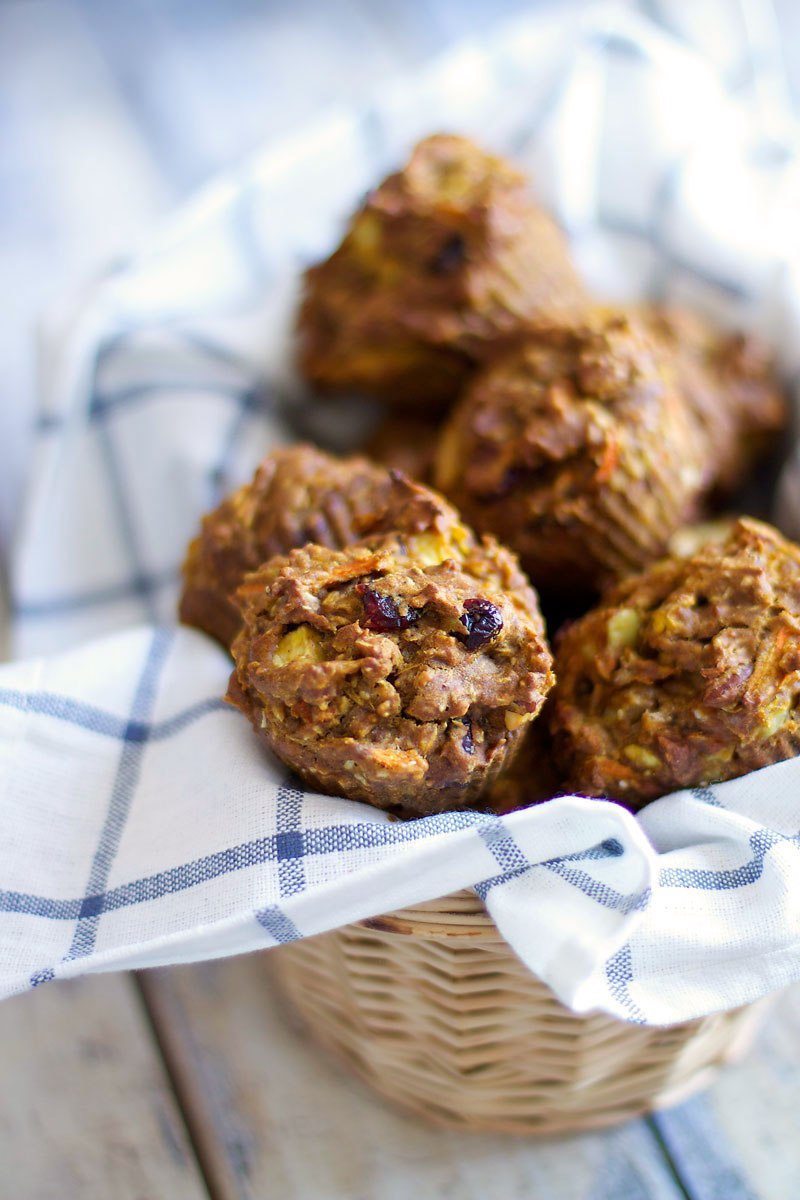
point(276, 1117)
point(739, 1141)
point(266, 1105)
point(87, 1112)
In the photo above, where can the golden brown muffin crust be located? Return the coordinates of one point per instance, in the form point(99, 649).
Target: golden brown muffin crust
point(730, 382)
point(686, 674)
point(298, 495)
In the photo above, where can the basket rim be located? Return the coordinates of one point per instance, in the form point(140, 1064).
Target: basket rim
point(461, 914)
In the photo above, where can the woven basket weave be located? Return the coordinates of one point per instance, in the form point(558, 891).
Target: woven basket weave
point(434, 1010)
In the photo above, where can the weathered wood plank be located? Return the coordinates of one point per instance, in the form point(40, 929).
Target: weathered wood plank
point(739, 1141)
point(275, 1117)
point(86, 1111)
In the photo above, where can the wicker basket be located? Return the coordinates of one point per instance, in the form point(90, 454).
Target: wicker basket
point(435, 1011)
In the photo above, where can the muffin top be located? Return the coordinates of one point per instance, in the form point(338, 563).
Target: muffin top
point(686, 674)
point(576, 449)
point(298, 495)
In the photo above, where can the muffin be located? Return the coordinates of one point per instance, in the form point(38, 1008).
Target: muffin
point(405, 443)
point(685, 675)
point(298, 495)
point(532, 776)
point(687, 540)
point(443, 259)
point(389, 678)
point(730, 382)
point(577, 450)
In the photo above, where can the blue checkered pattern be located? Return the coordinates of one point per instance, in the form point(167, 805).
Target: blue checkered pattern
point(141, 822)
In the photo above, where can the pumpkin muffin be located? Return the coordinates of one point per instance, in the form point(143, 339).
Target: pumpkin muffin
point(533, 775)
point(405, 443)
point(732, 386)
point(446, 257)
point(687, 540)
point(687, 674)
point(578, 451)
point(297, 495)
point(391, 678)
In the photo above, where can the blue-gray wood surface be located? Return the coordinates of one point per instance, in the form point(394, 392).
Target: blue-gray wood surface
point(111, 111)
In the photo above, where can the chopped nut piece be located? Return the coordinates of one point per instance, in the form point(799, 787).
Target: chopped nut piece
point(776, 717)
point(642, 758)
point(430, 549)
point(687, 541)
point(303, 644)
point(623, 628)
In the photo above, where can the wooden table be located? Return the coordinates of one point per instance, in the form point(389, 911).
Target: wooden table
point(192, 1082)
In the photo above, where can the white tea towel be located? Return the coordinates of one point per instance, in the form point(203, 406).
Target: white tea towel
point(140, 821)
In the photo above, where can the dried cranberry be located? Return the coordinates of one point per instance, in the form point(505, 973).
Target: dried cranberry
point(382, 613)
point(450, 256)
point(467, 744)
point(482, 621)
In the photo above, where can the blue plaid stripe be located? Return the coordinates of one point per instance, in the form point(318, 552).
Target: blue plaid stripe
point(126, 523)
point(289, 841)
point(504, 848)
point(674, 263)
point(46, 975)
point(135, 586)
point(122, 794)
point(278, 925)
point(98, 720)
point(707, 796)
point(618, 45)
point(598, 891)
point(245, 213)
point(141, 584)
point(243, 389)
point(102, 406)
point(595, 889)
point(509, 855)
point(329, 840)
point(256, 399)
point(748, 873)
point(619, 977)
